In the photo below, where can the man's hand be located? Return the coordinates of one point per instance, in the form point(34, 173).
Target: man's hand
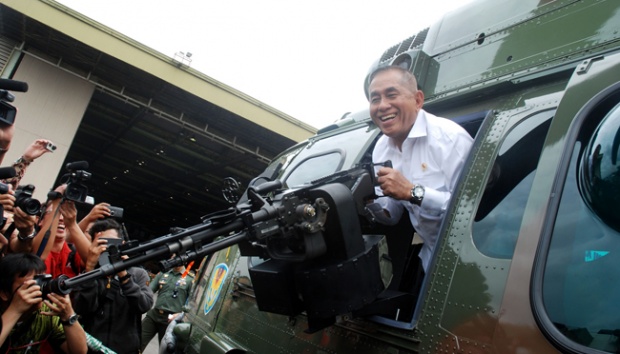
point(26, 296)
point(99, 211)
point(36, 149)
point(24, 222)
point(394, 184)
point(7, 200)
point(60, 305)
point(69, 212)
point(95, 250)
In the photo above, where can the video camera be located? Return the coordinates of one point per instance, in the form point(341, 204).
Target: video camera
point(76, 190)
point(7, 111)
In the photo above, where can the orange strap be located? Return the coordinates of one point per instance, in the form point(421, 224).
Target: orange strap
point(189, 267)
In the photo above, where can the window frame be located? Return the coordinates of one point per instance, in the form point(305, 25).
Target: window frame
point(541, 317)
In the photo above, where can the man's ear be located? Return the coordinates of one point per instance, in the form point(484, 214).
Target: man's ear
point(4, 296)
point(419, 99)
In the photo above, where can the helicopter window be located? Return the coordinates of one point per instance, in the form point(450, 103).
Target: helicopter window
point(315, 167)
point(319, 158)
point(501, 209)
point(581, 284)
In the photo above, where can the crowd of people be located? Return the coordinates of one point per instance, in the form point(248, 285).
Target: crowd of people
point(102, 315)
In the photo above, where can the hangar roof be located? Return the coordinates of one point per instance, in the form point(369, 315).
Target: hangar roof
point(159, 136)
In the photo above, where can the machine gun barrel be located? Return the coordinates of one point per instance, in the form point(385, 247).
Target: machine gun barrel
point(171, 237)
point(198, 236)
point(205, 250)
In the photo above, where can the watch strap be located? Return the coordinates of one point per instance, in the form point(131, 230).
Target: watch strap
point(29, 237)
point(71, 321)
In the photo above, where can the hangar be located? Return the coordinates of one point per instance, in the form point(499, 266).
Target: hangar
point(159, 136)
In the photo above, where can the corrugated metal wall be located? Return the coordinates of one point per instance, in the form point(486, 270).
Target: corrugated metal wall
point(6, 48)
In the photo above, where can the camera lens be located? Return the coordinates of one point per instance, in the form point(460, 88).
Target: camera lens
point(30, 206)
point(24, 200)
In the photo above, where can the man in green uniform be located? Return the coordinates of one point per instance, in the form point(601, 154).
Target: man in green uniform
point(172, 289)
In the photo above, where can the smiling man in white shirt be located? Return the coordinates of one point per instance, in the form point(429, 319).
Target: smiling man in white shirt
point(427, 154)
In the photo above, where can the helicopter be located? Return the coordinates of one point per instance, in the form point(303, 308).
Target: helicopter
point(526, 258)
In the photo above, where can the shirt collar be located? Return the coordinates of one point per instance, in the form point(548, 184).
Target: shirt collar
point(181, 272)
point(419, 127)
point(417, 131)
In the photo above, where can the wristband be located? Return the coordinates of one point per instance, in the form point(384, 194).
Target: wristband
point(22, 160)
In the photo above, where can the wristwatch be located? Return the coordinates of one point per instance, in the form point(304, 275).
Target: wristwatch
point(26, 238)
point(417, 194)
point(71, 321)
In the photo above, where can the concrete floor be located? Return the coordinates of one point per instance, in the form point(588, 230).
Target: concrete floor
point(153, 347)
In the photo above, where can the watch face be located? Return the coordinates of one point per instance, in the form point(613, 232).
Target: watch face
point(418, 192)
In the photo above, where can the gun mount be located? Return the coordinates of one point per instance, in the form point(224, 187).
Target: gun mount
point(309, 240)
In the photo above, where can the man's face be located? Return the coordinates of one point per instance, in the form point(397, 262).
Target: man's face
point(110, 233)
point(393, 106)
point(61, 232)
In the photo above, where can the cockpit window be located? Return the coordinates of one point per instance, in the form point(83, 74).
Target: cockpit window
point(501, 209)
point(581, 286)
point(318, 158)
point(316, 167)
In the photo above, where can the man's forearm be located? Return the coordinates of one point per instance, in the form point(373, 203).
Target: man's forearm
point(76, 339)
point(9, 319)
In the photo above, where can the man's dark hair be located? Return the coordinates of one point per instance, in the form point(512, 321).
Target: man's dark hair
point(18, 265)
point(103, 225)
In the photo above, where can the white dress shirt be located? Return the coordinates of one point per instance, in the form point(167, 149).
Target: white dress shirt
point(432, 156)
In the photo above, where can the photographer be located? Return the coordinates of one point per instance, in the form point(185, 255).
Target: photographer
point(19, 222)
point(7, 198)
point(62, 257)
point(112, 307)
point(59, 242)
point(28, 320)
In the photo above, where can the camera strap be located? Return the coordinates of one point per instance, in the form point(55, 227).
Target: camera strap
point(48, 231)
point(9, 231)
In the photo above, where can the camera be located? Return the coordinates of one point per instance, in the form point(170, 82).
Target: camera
point(50, 147)
point(7, 111)
point(24, 200)
point(76, 190)
point(116, 212)
point(113, 241)
point(112, 252)
point(51, 285)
